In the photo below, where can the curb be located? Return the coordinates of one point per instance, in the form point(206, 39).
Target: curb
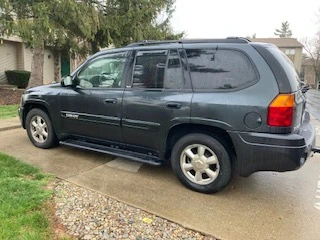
point(9, 128)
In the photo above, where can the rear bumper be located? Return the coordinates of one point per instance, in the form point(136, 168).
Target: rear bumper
point(273, 152)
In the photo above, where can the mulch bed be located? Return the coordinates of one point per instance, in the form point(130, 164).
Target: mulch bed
point(10, 96)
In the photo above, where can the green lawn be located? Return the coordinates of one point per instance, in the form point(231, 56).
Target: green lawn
point(8, 111)
point(23, 195)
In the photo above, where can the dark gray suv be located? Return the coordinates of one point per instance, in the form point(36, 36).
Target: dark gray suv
point(210, 107)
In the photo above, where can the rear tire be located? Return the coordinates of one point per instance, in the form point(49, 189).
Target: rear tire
point(201, 163)
point(40, 130)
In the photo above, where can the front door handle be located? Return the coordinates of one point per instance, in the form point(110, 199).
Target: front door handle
point(110, 100)
point(175, 105)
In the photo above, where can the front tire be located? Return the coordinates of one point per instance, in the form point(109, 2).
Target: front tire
point(40, 130)
point(201, 163)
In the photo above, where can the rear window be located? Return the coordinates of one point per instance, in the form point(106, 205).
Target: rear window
point(220, 69)
point(288, 67)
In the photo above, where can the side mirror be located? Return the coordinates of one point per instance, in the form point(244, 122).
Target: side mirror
point(67, 81)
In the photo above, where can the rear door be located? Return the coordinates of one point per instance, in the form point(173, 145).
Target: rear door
point(226, 87)
point(155, 99)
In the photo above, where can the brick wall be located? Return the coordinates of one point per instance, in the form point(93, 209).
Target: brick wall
point(10, 96)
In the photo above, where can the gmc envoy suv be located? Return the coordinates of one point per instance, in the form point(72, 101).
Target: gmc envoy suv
point(209, 107)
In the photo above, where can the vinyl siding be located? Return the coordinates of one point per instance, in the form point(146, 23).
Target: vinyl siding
point(8, 58)
point(20, 56)
point(15, 55)
point(27, 59)
point(48, 67)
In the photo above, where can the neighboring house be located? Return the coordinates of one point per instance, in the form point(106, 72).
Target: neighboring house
point(307, 73)
point(289, 46)
point(14, 55)
point(293, 49)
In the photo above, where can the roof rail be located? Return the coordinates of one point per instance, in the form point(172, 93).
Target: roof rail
point(221, 40)
point(242, 38)
point(152, 42)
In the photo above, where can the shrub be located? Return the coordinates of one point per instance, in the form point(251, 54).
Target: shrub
point(19, 78)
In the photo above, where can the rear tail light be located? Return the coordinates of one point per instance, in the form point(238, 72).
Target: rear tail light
point(280, 111)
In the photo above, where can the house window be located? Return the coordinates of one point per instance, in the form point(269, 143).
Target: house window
point(290, 51)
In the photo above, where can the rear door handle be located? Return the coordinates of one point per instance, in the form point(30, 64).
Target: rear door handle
point(110, 100)
point(173, 105)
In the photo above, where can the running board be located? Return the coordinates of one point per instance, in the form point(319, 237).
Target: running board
point(316, 149)
point(138, 157)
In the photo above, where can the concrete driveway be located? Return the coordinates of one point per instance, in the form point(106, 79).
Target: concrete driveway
point(264, 206)
point(313, 103)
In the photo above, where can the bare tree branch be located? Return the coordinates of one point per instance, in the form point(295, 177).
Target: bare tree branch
point(312, 47)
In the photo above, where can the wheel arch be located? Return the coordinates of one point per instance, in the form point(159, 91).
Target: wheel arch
point(180, 130)
point(32, 105)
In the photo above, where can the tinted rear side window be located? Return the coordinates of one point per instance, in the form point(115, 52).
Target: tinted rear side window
point(149, 69)
point(174, 74)
point(220, 69)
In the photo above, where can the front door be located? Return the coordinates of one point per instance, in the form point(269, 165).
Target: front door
point(155, 98)
point(93, 108)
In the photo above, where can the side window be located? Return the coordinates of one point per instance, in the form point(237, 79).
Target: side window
point(174, 72)
point(220, 69)
point(149, 69)
point(103, 72)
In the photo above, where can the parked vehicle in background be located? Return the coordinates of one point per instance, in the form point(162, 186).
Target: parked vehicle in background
point(210, 107)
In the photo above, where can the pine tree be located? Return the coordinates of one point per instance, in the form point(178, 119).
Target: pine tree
point(62, 24)
point(285, 31)
point(43, 23)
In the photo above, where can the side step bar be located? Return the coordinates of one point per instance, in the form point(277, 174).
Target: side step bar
point(316, 149)
point(138, 157)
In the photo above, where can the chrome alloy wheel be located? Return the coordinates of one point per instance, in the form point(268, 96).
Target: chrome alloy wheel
point(199, 164)
point(38, 129)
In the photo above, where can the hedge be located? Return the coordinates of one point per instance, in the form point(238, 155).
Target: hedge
point(19, 78)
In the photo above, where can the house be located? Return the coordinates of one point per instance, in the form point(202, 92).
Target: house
point(15, 55)
point(308, 75)
point(289, 46)
point(293, 49)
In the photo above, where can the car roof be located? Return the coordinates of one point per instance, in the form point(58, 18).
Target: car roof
point(169, 44)
point(188, 41)
point(151, 44)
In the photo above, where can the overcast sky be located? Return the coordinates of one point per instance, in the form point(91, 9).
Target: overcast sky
point(220, 19)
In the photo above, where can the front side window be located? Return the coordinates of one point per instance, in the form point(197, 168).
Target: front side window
point(220, 69)
point(103, 72)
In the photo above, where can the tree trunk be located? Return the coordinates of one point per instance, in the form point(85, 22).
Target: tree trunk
point(317, 81)
point(36, 77)
point(94, 47)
